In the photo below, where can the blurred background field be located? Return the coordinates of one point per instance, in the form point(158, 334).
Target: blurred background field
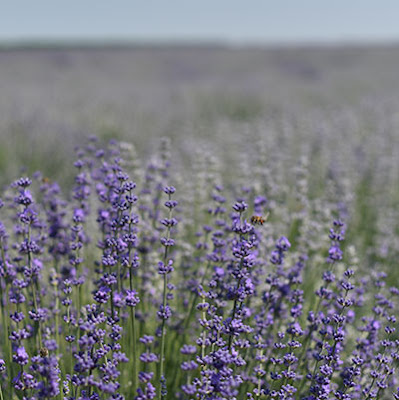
point(52, 97)
point(327, 114)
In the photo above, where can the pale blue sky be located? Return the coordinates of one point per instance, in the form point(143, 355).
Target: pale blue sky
point(203, 20)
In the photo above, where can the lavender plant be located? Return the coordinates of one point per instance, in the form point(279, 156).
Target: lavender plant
point(117, 291)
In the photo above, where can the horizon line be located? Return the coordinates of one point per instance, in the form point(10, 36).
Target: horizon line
point(65, 42)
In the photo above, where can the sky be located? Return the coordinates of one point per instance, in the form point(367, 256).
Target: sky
point(245, 21)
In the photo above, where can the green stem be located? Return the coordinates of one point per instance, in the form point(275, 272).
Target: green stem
point(161, 368)
point(194, 297)
point(134, 335)
point(39, 330)
point(161, 361)
point(237, 287)
point(119, 280)
point(234, 313)
point(259, 377)
point(6, 329)
point(378, 370)
point(57, 335)
point(57, 329)
point(112, 301)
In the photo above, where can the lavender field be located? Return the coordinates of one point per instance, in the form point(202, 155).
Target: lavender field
point(199, 223)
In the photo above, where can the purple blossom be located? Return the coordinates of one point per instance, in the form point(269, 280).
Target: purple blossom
point(21, 356)
point(128, 296)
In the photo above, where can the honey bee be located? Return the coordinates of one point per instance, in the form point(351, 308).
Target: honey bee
point(43, 352)
point(258, 220)
point(45, 180)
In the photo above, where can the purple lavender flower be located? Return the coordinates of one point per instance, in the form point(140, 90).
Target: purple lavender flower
point(236, 317)
point(21, 356)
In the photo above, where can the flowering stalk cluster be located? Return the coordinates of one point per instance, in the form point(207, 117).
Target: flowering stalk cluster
point(97, 301)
